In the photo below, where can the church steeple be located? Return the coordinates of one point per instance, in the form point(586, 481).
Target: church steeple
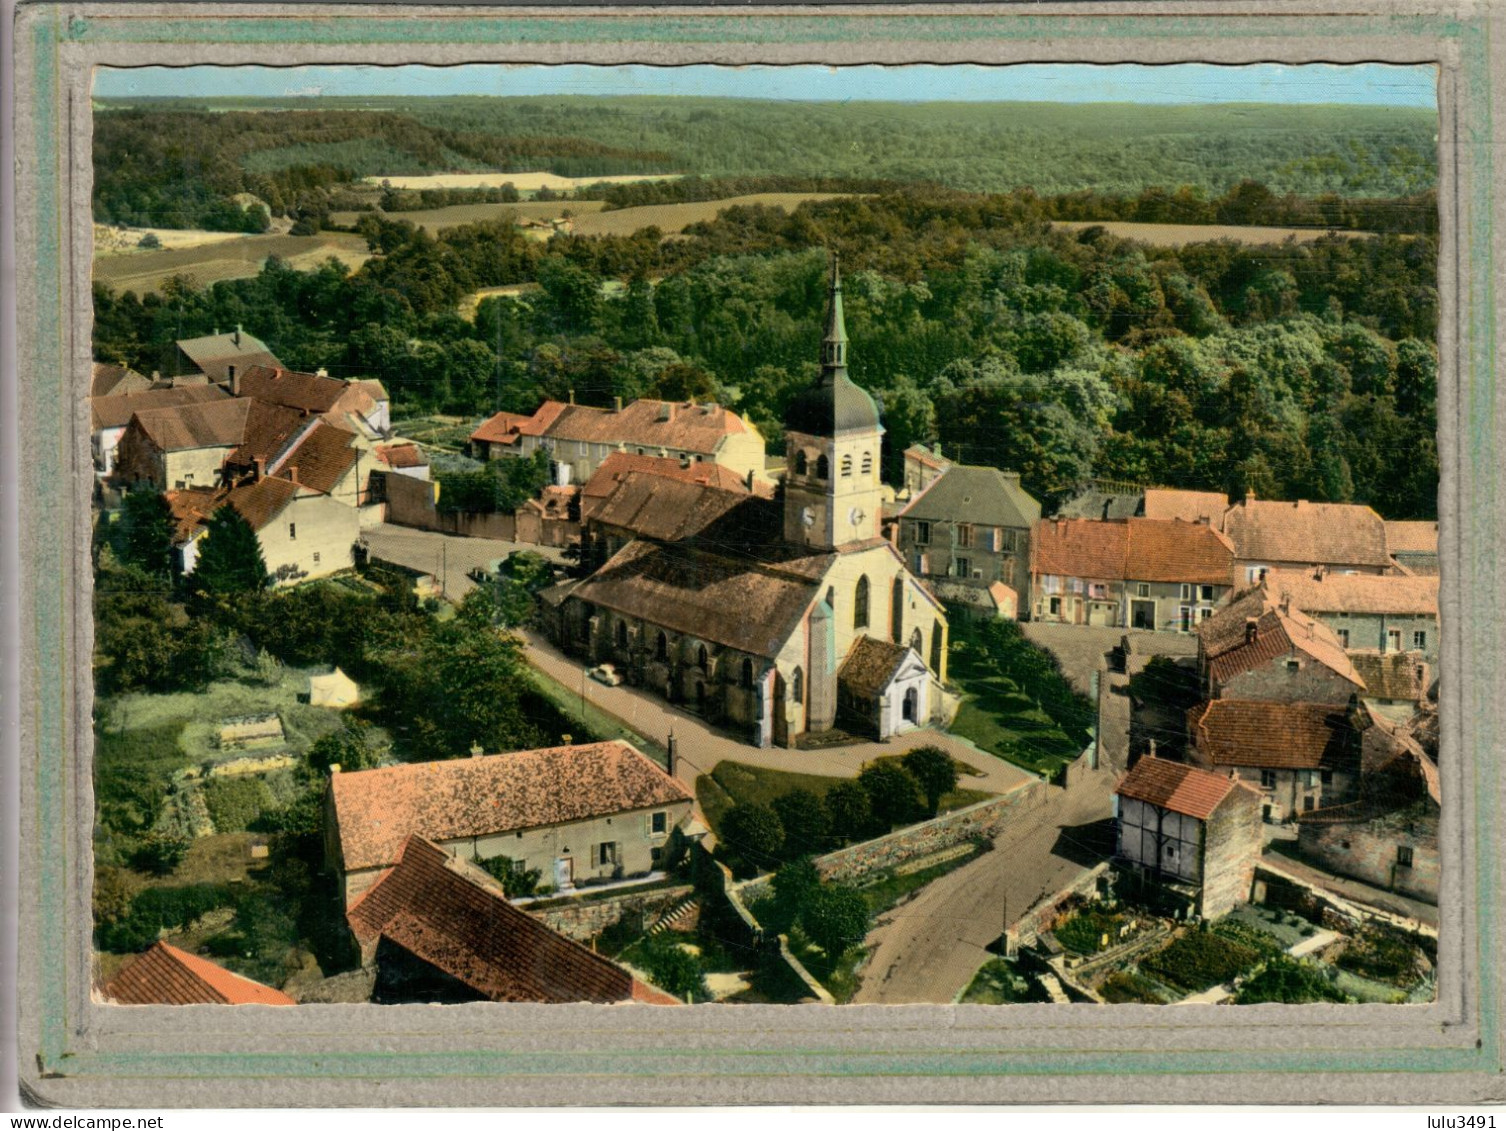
point(834, 344)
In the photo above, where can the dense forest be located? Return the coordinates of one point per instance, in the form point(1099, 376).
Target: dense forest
point(1293, 370)
point(174, 164)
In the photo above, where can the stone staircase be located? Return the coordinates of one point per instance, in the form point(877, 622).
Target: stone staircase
point(675, 915)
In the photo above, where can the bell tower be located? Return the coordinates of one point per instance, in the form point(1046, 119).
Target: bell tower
point(832, 448)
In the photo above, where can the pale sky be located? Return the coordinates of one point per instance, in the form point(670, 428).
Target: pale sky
point(1373, 84)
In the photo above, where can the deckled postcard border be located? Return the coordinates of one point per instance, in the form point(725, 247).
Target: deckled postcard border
point(77, 1053)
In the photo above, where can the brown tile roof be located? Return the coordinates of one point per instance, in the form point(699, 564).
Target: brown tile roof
point(1412, 537)
point(1175, 786)
point(260, 502)
point(667, 510)
point(452, 916)
point(191, 507)
point(215, 353)
point(507, 427)
point(1269, 735)
point(1334, 534)
point(1278, 631)
point(724, 599)
point(372, 388)
point(871, 664)
point(690, 427)
point(376, 810)
point(115, 411)
point(1134, 549)
point(165, 975)
point(1189, 506)
point(1354, 592)
point(619, 465)
point(269, 429)
point(322, 455)
point(212, 423)
point(1392, 675)
point(115, 380)
point(307, 392)
point(401, 455)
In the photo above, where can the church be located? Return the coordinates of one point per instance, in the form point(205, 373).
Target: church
point(788, 618)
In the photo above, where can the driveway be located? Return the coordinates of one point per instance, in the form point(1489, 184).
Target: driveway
point(445, 556)
point(701, 746)
point(927, 950)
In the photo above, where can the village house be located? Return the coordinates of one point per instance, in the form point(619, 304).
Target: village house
point(883, 689)
point(437, 929)
point(619, 465)
point(110, 415)
point(166, 975)
point(219, 357)
point(1368, 612)
point(922, 468)
point(401, 458)
point(1396, 683)
point(1414, 547)
point(551, 519)
point(1167, 504)
point(187, 446)
point(302, 532)
point(107, 380)
point(1344, 537)
point(577, 814)
point(749, 620)
point(1303, 755)
point(1257, 648)
point(1192, 835)
point(970, 525)
point(1159, 576)
point(579, 438)
point(362, 407)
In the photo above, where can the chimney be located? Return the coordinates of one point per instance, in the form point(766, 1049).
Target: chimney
point(261, 466)
point(235, 381)
point(237, 338)
point(748, 481)
point(616, 404)
point(572, 396)
point(1252, 629)
point(293, 474)
point(673, 749)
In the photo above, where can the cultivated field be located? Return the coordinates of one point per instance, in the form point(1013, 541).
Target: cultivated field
point(1175, 235)
point(672, 219)
point(235, 257)
point(523, 182)
point(438, 219)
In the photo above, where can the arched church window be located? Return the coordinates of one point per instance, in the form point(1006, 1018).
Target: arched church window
point(801, 464)
point(661, 647)
point(747, 673)
point(797, 686)
point(622, 634)
point(867, 463)
point(823, 467)
point(702, 660)
point(846, 466)
point(915, 642)
point(860, 604)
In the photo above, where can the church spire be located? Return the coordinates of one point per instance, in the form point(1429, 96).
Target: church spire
point(834, 345)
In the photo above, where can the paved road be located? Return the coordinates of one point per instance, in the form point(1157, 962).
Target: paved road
point(702, 746)
point(449, 555)
point(927, 950)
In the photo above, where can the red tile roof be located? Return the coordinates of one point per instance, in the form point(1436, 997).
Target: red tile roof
point(507, 427)
point(1412, 537)
point(1269, 735)
point(1333, 592)
point(619, 465)
point(650, 424)
point(308, 392)
point(666, 510)
point(165, 975)
point(453, 916)
point(1177, 787)
point(1278, 631)
point(1079, 547)
point(1334, 534)
point(376, 810)
point(1133, 549)
point(321, 456)
point(401, 455)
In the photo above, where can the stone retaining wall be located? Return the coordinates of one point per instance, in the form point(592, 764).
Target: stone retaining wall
point(586, 918)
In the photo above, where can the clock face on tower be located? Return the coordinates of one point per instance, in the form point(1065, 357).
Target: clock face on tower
point(856, 516)
point(808, 516)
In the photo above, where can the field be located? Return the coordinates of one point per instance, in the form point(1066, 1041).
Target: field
point(523, 182)
point(1175, 235)
point(672, 219)
point(208, 257)
point(438, 219)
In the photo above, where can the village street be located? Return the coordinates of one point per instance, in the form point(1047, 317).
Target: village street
point(928, 950)
point(446, 557)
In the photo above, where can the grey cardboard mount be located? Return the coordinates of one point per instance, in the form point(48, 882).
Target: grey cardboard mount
point(76, 1052)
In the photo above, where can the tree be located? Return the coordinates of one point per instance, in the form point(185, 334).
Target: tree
point(793, 885)
point(160, 853)
point(847, 808)
point(806, 825)
point(229, 559)
point(753, 834)
point(349, 748)
point(934, 769)
point(893, 793)
point(835, 918)
point(148, 530)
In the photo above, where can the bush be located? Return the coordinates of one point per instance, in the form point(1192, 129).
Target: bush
point(1083, 931)
point(149, 242)
point(1291, 982)
point(160, 853)
point(934, 769)
point(893, 794)
point(806, 825)
point(835, 918)
point(516, 880)
point(672, 968)
point(1387, 956)
point(236, 803)
point(1199, 960)
point(752, 835)
point(849, 815)
point(156, 910)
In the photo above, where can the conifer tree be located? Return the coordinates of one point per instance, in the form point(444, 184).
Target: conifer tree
point(230, 558)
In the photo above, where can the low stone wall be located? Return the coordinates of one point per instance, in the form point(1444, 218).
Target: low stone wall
point(1042, 915)
point(586, 918)
point(817, 990)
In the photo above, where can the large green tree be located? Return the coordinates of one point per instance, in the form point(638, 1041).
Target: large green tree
point(229, 559)
point(934, 769)
point(148, 530)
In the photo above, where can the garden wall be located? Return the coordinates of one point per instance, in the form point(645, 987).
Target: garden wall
point(584, 919)
point(1042, 915)
point(410, 502)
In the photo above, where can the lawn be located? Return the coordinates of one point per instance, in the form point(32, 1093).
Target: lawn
point(736, 783)
point(885, 889)
point(995, 716)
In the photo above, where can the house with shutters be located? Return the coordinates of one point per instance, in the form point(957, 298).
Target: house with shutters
point(971, 526)
point(1379, 613)
point(1141, 573)
point(1258, 648)
point(1303, 755)
point(1187, 838)
point(436, 929)
point(1268, 535)
point(580, 438)
point(577, 814)
point(748, 618)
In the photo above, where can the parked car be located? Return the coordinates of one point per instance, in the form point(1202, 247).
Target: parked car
point(607, 674)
